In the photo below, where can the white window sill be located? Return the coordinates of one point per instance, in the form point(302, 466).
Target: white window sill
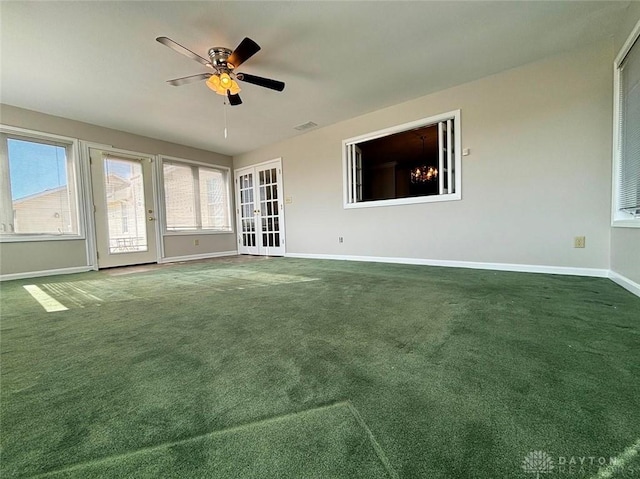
point(18, 238)
point(404, 201)
point(197, 232)
point(626, 223)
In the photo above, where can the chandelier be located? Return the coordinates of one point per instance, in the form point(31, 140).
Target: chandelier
point(424, 173)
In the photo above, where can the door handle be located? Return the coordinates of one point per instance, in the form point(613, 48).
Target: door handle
point(151, 218)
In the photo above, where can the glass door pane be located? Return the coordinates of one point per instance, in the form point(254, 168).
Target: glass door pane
point(269, 210)
point(247, 214)
point(124, 196)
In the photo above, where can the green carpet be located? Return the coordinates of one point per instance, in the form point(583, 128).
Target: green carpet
point(323, 442)
point(297, 368)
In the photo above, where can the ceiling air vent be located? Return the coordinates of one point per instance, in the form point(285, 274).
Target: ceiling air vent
point(306, 126)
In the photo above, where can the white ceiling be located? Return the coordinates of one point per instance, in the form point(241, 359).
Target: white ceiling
point(98, 62)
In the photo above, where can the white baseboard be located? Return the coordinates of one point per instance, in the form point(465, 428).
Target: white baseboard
point(218, 254)
point(617, 278)
point(521, 268)
point(625, 282)
point(84, 269)
point(48, 272)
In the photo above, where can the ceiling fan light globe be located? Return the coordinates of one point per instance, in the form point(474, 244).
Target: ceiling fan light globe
point(234, 88)
point(214, 83)
point(225, 80)
point(222, 84)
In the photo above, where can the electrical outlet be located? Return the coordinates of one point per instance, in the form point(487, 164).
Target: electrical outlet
point(579, 242)
point(340, 239)
point(196, 242)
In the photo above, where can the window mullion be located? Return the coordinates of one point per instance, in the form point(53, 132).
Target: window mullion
point(448, 187)
point(6, 202)
point(350, 178)
point(441, 156)
point(197, 199)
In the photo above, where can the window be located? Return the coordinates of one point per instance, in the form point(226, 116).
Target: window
point(196, 197)
point(418, 162)
point(626, 158)
point(38, 186)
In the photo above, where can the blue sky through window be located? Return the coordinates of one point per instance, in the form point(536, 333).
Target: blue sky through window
point(35, 167)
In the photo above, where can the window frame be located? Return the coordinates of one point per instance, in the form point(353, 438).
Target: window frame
point(429, 121)
point(620, 219)
point(162, 197)
point(77, 175)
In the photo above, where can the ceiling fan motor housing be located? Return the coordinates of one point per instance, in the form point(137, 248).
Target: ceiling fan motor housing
point(219, 56)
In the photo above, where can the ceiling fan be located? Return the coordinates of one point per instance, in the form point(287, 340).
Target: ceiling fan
point(223, 62)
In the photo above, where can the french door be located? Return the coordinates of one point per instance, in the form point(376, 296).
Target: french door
point(260, 210)
point(125, 223)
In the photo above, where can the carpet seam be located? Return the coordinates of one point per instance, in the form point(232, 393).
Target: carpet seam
point(142, 450)
point(376, 446)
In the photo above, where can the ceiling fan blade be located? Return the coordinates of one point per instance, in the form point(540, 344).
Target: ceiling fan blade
point(234, 99)
point(243, 52)
point(261, 81)
point(189, 79)
point(184, 51)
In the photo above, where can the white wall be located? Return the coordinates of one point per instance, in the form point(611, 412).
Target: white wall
point(538, 174)
point(625, 242)
point(17, 258)
point(625, 253)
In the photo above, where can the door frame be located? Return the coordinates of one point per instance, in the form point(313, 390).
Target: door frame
point(92, 249)
point(281, 198)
